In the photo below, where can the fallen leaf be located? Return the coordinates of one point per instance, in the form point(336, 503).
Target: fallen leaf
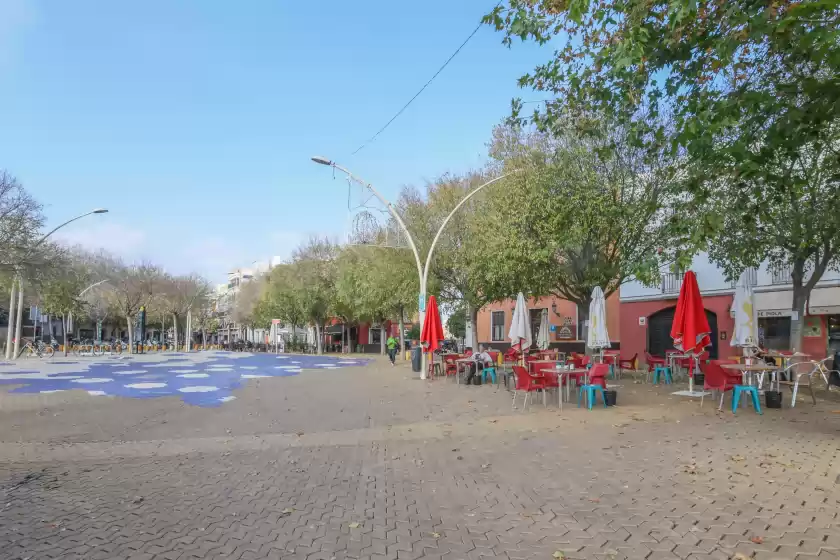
point(558, 554)
point(138, 499)
point(436, 535)
point(739, 556)
point(354, 525)
point(757, 540)
point(595, 500)
point(738, 458)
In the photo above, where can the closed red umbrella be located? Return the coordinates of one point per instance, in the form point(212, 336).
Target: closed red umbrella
point(432, 332)
point(690, 329)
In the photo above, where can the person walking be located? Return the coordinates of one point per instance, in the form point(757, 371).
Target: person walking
point(392, 344)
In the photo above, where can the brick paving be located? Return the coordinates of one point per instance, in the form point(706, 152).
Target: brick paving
point(367, 463)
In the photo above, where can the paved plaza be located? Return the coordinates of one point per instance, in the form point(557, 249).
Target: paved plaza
point(363, 461)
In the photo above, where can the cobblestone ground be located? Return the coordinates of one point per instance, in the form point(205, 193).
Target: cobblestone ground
point(368, 463)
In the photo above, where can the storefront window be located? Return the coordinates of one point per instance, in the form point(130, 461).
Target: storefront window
point(833, 333)
point(774, 333)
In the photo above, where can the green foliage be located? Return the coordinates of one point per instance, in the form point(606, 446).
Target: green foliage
point(59, 295)
point(456, 323)
point(414, 332)
point(576, 216)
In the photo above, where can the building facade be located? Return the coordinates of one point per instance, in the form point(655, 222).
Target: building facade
point(567, 328)
point(648, 311)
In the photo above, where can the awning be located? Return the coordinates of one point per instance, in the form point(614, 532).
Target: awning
point(824, 301)
point(333, 329)
point(778, 303)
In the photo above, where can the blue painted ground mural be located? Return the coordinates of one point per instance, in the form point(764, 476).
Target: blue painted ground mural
point(209, 383)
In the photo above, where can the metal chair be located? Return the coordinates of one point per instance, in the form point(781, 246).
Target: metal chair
point(797, 371)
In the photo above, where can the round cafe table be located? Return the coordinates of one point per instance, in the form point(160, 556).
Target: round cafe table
point(566, 374)
point(747, 372)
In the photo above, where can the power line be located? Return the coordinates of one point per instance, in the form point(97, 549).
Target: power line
point(416, 95)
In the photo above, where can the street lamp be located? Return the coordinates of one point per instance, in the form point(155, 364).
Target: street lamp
point(422, 271)
point(19, 282)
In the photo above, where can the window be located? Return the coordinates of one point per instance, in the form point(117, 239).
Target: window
point(751, 276)
point(780, 274)
point(497, 326)
point(375, 334)
point(672, 282)
point(774, 332)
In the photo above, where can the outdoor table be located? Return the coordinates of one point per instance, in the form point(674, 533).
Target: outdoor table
point(748, 370)
point(672, 361)
point(532, 362)
point(567, 374)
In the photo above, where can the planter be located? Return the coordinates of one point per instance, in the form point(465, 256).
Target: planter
point(773, 399)
point(610, 397)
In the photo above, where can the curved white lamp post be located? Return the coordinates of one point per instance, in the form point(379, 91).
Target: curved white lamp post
point(422, 271)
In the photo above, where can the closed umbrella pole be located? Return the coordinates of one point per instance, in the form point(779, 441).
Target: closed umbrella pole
point(597, 336)
point(745, 332)
point(520, 326)
point(690, 330)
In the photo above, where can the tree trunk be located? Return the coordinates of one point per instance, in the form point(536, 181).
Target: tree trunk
point(130, 321)
point(64, 328)
point(175, 332)
point(18, 319)
point(472, 321)
point(9, 330)
point(800, 298)
point(402, 333)
point(319, 344)
point(382, 339)
point(188, 332)
point(203, 339)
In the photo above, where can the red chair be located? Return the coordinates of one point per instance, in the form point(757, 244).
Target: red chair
point(528, 383)
point(632, 363)
point(720, 379)
point(468, 353)
point(450, 367)
point(495, 356)
point(598, 375)
point(653, 361)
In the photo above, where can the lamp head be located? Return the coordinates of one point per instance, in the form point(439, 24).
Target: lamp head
point(100, 211)
point(321, 160)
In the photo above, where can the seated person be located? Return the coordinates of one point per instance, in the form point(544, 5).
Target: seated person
point(480, 361)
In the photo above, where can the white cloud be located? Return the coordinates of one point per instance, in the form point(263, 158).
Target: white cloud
point(115, 238)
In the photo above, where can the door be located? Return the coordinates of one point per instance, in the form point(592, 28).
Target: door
point(659, 332)
point(535, 315)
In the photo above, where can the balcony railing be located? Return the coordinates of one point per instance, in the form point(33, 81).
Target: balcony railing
point(780, 275)
point(671, 282)
point(751, 276)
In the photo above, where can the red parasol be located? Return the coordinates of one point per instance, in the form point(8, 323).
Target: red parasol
point(690, 330)
point(432, 332)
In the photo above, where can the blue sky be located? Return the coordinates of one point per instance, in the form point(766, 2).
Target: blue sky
point(194, 121)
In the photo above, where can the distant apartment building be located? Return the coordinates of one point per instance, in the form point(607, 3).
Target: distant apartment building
point(648, 311)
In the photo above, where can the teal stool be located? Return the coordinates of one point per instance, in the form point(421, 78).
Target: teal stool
point(591, 391)
point(736, 397)
point(666, 374)
point(485, 371)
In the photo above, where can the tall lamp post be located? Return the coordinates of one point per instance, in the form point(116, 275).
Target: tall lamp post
point(422, 271)
point(18, 282)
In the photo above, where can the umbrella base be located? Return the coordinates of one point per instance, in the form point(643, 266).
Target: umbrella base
point(695, 394)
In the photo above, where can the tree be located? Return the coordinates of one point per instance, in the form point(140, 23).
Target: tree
point(314, 262)
point(132, 287)
point(450, 272)
point(61, 295)
point(584, 211)
point(752, 91)
point(456, 323)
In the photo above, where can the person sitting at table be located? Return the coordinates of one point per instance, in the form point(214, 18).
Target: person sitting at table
point(481, 360)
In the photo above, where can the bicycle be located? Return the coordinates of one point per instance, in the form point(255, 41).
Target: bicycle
point(39, 349)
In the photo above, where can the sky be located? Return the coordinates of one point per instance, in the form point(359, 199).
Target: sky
point(194, 122)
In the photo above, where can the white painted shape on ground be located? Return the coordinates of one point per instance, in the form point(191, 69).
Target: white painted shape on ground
point(253, 376)
point(198, 389)
point(183, 370)
point(93, 380)
point(247, 367)
point(97, 393)
point(146, 385)
point(51, 391)
point(194, 375)
point(227, 399)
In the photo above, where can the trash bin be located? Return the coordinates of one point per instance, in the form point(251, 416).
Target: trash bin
point(416, 358)
point(610, 397)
